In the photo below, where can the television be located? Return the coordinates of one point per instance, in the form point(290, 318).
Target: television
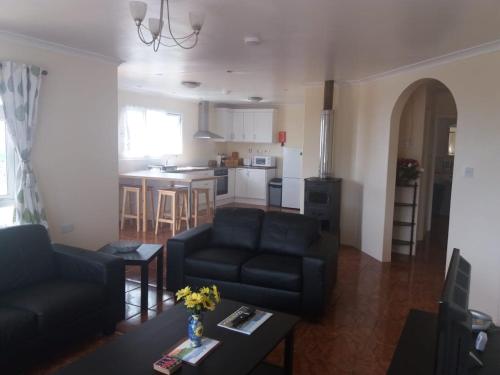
point(454, 332)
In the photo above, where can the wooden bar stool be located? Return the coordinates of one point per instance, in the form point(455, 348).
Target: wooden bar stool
point(127, 192)
point(197, 212)
point(163, 197)
point(183, 206)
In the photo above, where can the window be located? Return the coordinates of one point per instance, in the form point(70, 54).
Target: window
point(7, 173)
point(150, 133)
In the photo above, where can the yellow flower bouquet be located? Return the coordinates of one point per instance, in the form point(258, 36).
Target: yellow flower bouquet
point(197, 302)
point(205, 299)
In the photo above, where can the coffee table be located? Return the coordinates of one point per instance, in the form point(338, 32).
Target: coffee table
point(141, 257)
point(134, 353)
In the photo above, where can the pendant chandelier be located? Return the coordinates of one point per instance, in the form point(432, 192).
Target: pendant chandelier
point(155, 27)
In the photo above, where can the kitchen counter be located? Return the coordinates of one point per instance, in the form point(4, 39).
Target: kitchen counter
point(189, 169)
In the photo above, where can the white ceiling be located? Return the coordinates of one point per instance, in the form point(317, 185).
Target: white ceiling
point(303, 42)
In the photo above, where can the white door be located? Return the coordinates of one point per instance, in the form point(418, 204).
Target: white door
point(292, 162)
point(291, 192)
point(238, 133)
point(256, 184)
point(240, 189)
point(263, 127)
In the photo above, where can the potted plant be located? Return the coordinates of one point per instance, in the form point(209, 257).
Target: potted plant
point(408, 170)
point(197, 302)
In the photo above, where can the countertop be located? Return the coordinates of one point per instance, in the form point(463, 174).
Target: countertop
point(207, 168)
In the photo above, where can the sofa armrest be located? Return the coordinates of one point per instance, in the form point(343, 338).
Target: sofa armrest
point(84, 265)
point(319, 272)
point(181, 246)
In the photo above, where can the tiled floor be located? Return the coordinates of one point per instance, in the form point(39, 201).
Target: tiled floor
point(360, 329)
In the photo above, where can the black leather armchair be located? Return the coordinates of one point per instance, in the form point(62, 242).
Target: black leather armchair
point(276, 260)
point(52, 293)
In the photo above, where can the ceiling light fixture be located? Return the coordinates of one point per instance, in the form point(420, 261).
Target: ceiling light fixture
point(252, 40)
point(191, 84)
point(155, 26)
point(255, 99)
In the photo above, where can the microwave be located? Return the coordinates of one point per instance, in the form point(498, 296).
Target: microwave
point(264, 161)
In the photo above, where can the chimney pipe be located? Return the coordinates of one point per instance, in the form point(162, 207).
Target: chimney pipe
point(326, 133)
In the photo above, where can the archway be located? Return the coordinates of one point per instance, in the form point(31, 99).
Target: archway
point(423, 125)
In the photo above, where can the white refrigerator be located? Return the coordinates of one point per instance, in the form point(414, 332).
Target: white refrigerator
point(292, 177)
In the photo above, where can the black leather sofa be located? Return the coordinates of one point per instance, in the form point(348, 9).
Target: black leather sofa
point(50, 294)
point(274, 259)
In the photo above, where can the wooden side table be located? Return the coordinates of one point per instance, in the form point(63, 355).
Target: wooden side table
point(141, 257)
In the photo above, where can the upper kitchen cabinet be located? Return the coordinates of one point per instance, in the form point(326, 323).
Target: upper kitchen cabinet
point(224, 123)
point(246, 125)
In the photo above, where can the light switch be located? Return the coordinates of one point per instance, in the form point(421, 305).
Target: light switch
point(469, 172)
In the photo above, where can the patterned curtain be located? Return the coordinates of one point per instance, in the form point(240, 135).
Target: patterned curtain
point(19, 89)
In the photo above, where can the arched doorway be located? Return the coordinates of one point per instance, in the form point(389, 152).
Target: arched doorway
point(423, 128)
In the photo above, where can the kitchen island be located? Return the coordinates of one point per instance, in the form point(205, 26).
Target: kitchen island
point(174, 178)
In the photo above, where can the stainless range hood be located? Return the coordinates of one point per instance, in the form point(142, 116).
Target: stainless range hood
point(203, 122)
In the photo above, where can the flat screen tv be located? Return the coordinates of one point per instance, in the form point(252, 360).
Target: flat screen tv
point(454, 341)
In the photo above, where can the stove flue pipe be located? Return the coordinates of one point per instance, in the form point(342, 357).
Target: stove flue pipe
point(326, 133)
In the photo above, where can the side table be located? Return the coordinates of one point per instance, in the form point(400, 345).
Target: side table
point(141, 257)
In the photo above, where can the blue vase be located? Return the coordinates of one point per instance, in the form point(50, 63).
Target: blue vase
point(195, 330)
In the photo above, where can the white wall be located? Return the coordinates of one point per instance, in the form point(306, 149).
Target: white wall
point(195, 151)
point(474, 219)
point(75, 150)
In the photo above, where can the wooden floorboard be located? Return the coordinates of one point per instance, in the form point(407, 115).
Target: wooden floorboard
point(362, 324)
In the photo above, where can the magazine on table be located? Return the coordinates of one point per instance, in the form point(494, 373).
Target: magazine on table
point(191, 355)
point(250, 325)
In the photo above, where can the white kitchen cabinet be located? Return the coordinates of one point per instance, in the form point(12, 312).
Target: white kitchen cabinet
point(231, 181)
point(224, 123)
point(238, 131)
point(256, 184)
point(263, 129)
point(251, 183)
point(245, 125)
point(240, 186)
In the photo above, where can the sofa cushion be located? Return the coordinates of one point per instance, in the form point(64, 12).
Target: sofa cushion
point(26, 256)
point(217, 263)
point(56, 303)
point(237, 228)
point(273, 271)
point(287, 233)
point(16, 327)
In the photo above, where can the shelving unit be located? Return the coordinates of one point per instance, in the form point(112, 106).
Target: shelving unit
point(411, 224)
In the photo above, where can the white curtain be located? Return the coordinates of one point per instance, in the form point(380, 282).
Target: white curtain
point(19, 89)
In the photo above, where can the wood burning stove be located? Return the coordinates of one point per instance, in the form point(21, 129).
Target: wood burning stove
point(322, 194)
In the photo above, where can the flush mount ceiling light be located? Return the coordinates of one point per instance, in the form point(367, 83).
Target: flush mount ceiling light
point(255, 99)
point(252, 40)
point(191, 84)
point(155, 26)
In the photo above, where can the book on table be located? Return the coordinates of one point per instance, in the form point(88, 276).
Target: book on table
point(250, 325)
point(167, 365)
point(191, 355)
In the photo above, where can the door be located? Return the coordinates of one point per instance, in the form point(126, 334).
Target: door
point(263, 127)
point(292, 162)
point(256, 184)
point(238, 133)
point(240, 189)
point(291, 192)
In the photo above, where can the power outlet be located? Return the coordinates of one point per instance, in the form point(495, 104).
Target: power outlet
point(67, 228)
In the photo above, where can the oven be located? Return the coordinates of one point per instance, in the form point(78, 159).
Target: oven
point(222, 180)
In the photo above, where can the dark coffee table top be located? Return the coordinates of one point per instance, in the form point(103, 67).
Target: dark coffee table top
point(143, 255)
point(134, 353)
